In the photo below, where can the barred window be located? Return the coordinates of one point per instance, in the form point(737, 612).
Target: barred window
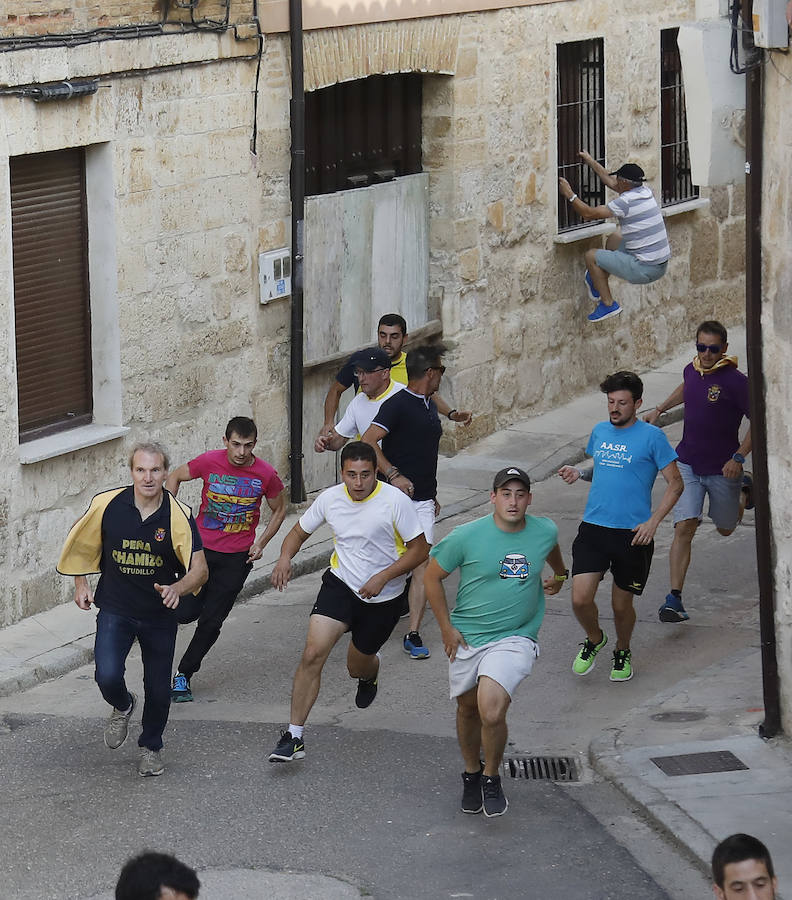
point(675, 158)
point(580, 115)
point(362, 132)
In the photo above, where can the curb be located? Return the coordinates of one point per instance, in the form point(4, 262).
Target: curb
point(687, 835)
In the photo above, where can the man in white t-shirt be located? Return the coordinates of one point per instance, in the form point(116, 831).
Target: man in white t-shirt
point(378, 540)
point(372, 368)
point(638, 251)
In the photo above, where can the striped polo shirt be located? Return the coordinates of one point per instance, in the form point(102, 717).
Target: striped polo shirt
point(642, 226)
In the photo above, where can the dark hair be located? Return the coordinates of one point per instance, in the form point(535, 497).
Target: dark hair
point(623, 381)
point(243, 426)
point(392, 320)
point(144, 876)
point(359, 450)
point(711, 326)
point(422, 358)
point(736, 848)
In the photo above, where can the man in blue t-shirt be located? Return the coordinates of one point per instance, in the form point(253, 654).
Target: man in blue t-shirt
point(490, 637)
point(618, 527)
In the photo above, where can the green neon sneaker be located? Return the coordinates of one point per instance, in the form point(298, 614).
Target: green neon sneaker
point(584, 661)
point(622, 666)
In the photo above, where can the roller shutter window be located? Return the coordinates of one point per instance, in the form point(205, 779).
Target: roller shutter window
point(362, 132)
point(51, 292)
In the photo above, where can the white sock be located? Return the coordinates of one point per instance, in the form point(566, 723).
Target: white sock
point(296, 731)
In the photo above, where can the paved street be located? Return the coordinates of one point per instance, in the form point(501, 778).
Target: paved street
point(373, 809)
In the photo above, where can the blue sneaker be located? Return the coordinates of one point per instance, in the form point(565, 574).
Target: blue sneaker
point(747, 489)
point(604, 312)
point(592, 291)
point(413, 646)
point(672, 610)
point(180, 691)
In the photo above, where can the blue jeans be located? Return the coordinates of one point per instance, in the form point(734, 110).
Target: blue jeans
point(115, 635)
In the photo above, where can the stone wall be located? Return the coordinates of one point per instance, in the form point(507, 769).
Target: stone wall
point(777, 341)
point(39, 17)
point(193, 207)
point(512, 299)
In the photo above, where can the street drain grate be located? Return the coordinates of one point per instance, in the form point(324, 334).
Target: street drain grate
point(542, 768)
point(699, 763)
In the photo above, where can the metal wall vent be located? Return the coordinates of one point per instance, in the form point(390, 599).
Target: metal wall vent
point(542, 768)
point(699, 763)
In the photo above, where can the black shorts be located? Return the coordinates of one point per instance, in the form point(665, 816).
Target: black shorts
point(371, 624)
point(597, 549)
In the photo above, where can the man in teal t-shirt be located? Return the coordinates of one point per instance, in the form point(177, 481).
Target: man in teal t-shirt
point(490, 637)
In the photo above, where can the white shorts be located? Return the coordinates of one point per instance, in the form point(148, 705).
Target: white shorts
point(507, 661)
point(425, 510)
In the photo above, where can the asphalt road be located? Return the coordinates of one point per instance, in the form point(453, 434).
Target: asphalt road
point(373, 810)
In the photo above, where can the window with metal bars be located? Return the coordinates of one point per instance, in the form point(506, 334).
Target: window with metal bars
point(49, 234)
point(674, 154)
point(362, 132)
point(580, 117)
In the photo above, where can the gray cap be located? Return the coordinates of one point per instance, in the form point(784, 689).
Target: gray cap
point(511, 473)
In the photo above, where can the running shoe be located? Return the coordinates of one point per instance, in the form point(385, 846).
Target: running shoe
point(180, 691)
point(117, 728)
point(494, 800)
point(366, 692)
point(584, 661)
point(413, 646)
point(604, 312)
point(593, 293)
point(622, 666)
point(288, 749)
point(151, 763)
point(672, 610)
point(472, 801)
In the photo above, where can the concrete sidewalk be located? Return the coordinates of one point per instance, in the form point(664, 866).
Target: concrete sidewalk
point(716, 711)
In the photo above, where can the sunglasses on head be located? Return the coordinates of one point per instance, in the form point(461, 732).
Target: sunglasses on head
point(713, 348)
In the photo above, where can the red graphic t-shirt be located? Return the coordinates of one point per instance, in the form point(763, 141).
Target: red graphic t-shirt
point(231, 499)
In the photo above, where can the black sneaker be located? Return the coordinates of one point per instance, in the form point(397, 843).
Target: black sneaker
point(495, 802)
point(288, 748)
point(471, 792)
point(366, 692)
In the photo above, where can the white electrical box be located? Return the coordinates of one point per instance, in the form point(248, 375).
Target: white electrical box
point(274, 274)
point(770, 26)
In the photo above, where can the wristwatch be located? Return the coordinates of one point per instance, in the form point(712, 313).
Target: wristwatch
point(738, 458)
point(562, 577)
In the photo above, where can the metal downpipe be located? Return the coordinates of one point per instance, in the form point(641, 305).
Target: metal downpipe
point(297, 122)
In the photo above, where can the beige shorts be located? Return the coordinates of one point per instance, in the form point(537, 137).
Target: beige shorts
point(507, 661)
point(425, 510)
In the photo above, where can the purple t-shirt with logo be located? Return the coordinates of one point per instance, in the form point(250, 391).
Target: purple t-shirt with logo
point(715, 404)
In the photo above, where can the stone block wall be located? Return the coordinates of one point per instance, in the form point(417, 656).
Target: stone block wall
point(514, 301)
point(777, 341)
point(39, 17)
point(192, 209)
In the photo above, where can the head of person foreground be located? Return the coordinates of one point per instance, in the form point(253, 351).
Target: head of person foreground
point(156, 876)
point(743, 870)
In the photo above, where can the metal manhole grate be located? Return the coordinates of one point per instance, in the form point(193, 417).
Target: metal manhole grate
point(542, 768)
point(699, 763)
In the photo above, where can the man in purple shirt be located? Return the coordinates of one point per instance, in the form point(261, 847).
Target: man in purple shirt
point(711, 455)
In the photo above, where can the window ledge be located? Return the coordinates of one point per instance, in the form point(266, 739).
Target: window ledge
point(582, 234)
point(676, 209)
point(68, 441)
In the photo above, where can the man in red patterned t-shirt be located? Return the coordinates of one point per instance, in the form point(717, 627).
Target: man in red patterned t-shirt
point(234, 484)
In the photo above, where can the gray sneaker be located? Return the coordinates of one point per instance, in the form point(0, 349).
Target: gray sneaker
point(150, 762)
point(117, 728)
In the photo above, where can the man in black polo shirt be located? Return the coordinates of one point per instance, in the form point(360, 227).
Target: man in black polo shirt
point(146, 545)
point(409, 427)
